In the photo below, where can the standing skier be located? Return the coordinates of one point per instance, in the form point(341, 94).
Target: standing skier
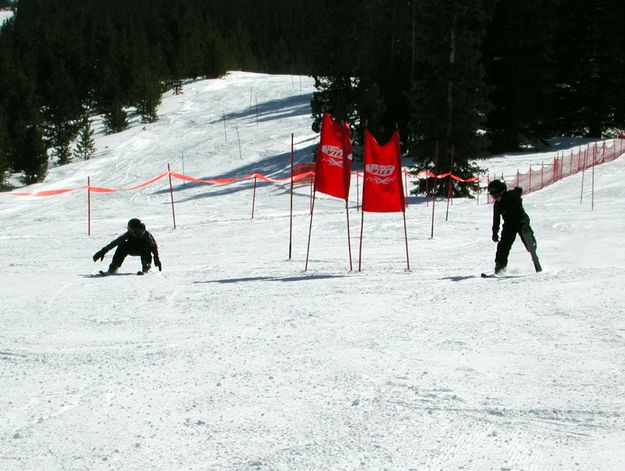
point(136, 241)
point(509, 206)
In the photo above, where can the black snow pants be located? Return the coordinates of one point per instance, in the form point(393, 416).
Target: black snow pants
point(135, 248)
point(508, 236)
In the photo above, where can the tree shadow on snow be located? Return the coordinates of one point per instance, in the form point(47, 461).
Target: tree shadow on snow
point(277, 166)
point(274, 109)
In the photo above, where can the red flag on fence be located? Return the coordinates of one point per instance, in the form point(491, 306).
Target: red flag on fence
point(334, 159)
point(382, 188)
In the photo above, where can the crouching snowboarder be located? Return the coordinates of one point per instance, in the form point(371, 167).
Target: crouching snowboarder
point(509, 206)
point(135, 241)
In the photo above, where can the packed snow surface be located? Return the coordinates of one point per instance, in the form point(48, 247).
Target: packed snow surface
point(236, 358)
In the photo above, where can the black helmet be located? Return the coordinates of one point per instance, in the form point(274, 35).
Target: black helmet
point(136, 227)
point(497, 188)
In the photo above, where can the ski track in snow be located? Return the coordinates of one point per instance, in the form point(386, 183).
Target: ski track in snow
point(235, 358)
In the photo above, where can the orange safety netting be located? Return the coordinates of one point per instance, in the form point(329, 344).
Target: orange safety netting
point(566, 164)
point(215, 181)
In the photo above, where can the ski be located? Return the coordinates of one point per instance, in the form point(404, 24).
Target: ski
point(103, 273)
point(505, 275)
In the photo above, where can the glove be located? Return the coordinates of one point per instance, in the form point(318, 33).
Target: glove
point(99, 255)
point(157, 262)
point(495, 237)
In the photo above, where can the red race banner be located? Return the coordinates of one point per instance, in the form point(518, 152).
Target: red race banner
point(334, 159)
point(382, 188)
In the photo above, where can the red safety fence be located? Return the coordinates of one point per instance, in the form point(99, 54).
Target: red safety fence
point(179, 176)
point(298, 176)
point(565, 164)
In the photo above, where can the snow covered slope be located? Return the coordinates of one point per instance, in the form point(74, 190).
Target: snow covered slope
point(235, 358)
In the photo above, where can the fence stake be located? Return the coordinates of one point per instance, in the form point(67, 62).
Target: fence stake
point(450, 184)
point(254, 197)
point(291, 206)
point(435, 190)
point(88, 205)
point(171, 194)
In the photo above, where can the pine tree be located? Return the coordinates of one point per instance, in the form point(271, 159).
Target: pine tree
point(148, 96)
point(590, 66)
point(115, 119)
point(35, 156)
point(448, 99)
point(519, 59)
point(85, 145)
point(59, 134)
point(177, 86)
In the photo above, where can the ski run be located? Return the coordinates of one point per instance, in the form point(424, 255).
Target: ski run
point(236, 358)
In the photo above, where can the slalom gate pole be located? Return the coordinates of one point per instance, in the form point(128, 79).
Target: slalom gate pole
point(171, 195)
point(581, 195)
point(405, 183)
point(592, 192)
point(357, 193)
point(448, 193)
point(311, 192)
point(88, 205)
point(291, 206)
point(349, 239)
point(362, 224)
point(449, 184)
point(225, 131)
point(254, 197)
point(183, 172)
point(312, 210)
point(406, 238)
point(434, 190)
point(433, 206)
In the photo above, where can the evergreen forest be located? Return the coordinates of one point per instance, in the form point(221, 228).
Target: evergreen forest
point(457, 78)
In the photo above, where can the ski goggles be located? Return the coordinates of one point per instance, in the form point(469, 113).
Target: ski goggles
point(137, 232)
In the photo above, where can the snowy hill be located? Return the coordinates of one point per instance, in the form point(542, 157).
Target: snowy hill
point(234, 357)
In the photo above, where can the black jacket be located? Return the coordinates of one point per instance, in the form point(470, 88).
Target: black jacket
point(146, 243)
point(510, 208)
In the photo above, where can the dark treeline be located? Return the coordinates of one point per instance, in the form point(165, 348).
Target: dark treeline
point(464, 77)
point(62, 61)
